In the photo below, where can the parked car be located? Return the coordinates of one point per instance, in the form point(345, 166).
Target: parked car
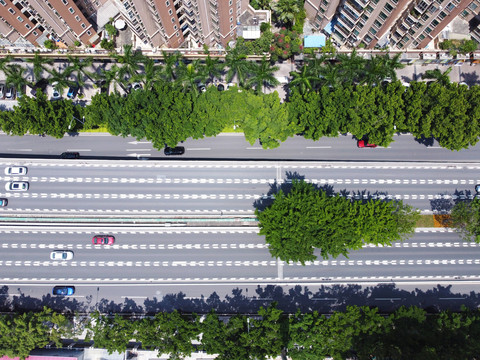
point(2, 91)
point(103, 240)
point(365, 144)
point(135, 86)
point(63, 290)
point(61, 255)
point(16, 186)
point(72, 92)
point(220, 87)
point(40, 86)
point(3, 202)
point(70, 155)
point(16, 170)
point(56, 92)
point(177, 150)
point(477, 188)
point(10, 94)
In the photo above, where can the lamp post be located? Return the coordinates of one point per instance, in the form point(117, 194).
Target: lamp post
point(234, 126)
point(80, 121)
point(248, 325)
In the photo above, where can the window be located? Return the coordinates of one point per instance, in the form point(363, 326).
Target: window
point(65, 2)
point(421, 37)
point(388, 7)
point(173, 20)
point(19, 18)
point(178, 34)
point(441, 15)
point(167, 3)
point(367, 39)
point(83, 26)
point(450, 7)
point(77, 18)
point(89, 32)
point(411, 31)
point(372, 31)
point(472, 6)
point(382, 15)
point(434, 23)
point(71, 10)
point(230, 3)
point(170, 12)
point(175, 27)
point(3, 2)
point(231, 19)
point(28, 26)
point(369, 9)
point(11, 11)
point(428, 30)
point(231, 11)
point(464, 13)
point(377, 24)
point(415, 43)
point(375, 1)
point(35, 33)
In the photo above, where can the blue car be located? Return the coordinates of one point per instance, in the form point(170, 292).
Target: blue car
point(72, 92)
point(63, 290)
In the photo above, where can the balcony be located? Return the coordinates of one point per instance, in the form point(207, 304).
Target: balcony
point(345, 22)
point(350, 14)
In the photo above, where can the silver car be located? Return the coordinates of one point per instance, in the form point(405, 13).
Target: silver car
point(2, 91)
point(3, 202)
point(16, 186)
point(16, 170)
point(61, 255)
point(10, 94)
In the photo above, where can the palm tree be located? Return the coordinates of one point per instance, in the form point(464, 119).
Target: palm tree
point(111, 77)
point(60, 79)
point(189, 75)
point(330, 76)
point(439, 76)
point(261, 4)
point(15, 76)
point(39, 65)
point(151, 74)
point(302, 80)
point(237, 65)
point(352, 67)
point(262, 74)
point(375, 71)
point(285, 10)
point(392, 65)
point(213, 68)
point(78, 68)
point(171, 62)
point(4, 62)
point(130, 61)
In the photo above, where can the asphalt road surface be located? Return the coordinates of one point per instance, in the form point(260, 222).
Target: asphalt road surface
point(81, 187)
point(231, 146)
point(156, 265)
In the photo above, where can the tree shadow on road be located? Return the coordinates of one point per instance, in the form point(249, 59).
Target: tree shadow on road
point(322, 298)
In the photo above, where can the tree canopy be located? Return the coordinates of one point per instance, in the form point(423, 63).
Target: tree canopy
point(307, 218)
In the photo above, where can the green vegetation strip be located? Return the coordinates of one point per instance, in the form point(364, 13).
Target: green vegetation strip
point(122, 220)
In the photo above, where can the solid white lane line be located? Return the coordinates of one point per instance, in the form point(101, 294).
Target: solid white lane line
point(79, 149)
point(318, 147)
point(198, 149)
point(139, 149)
point(20, 149)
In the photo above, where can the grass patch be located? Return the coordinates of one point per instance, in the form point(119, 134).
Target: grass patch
point(433, 221)
point(229, 129)
point(99, 129)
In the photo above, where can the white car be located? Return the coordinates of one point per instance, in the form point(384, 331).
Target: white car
point(16, 186)
point(61, 255)
point(16, 170)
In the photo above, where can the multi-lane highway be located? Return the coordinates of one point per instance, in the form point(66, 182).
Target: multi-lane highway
point(80, 187)
point(151, 264)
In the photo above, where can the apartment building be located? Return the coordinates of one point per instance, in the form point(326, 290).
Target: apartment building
point(399, 24)
point(184, 23)
point(36, 20)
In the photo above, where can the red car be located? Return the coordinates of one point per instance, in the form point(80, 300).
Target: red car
point(103, 240)
point(365, 144)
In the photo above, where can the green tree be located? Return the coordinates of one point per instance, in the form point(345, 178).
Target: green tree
point(112, 333)
point(237, 65)
point(190, 75)
point(39, 64)
point(22, 333)
point(467, 46)
point(352, 67)
point(78, 68)
point(392, 64)
point(439, 76)
point(262, 75)
point(302, 80)
point(15, 76)
point(50, 44)
point(111, 30)
point(130, 61)
point(285, 11)
point(151, 74)
point(61, 79)
point(170, 61)
point(213, 68)
point(261, 4)
point(4, 61)
point(307, 218)
point(465, 218)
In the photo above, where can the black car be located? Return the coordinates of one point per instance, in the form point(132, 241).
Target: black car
point(177, 150)
point(70, 155)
